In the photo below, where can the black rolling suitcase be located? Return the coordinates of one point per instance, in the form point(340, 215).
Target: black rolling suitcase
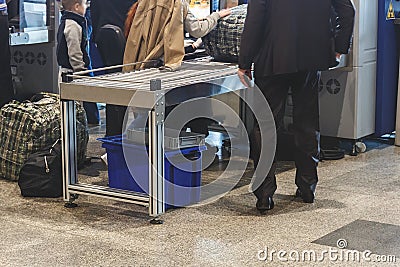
point(111, 44)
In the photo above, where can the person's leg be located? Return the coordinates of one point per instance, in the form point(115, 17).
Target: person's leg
point(92, 112)
point(115, 118)
point(306, 132)
point(110, 52)
point(7, 91)
point(199, 125)
point(275, 90)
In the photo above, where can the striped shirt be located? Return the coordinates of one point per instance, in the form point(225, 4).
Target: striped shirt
point(3, 5)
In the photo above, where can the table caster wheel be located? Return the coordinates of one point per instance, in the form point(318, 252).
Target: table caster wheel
point(70, 205)
point(156, 221)
point(74, 196)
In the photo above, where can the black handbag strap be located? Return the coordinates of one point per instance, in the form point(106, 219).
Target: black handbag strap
point(55, 143)
point(47, 168)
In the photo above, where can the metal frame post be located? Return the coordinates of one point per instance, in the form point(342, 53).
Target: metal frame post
point(69, 155)
point(156, 166)
point(156, 152)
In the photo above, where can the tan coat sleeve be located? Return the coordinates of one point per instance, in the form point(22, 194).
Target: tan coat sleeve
point(199, 28)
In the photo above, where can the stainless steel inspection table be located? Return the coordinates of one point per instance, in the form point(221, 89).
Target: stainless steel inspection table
point(150, 89)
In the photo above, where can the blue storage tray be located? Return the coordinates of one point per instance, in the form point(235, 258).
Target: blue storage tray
point(185, 174)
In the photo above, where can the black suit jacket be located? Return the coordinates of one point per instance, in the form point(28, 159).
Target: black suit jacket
point(286, 36)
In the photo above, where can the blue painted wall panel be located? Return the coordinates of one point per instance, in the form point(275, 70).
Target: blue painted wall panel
point(387, 71)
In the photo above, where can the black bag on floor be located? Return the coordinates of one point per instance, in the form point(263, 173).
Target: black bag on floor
point(41, 176)
point(31, 126)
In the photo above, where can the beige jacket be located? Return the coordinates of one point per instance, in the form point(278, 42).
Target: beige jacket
point(156, 31)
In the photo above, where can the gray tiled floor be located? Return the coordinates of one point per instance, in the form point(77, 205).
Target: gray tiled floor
point(361, 235)
point(353, 193)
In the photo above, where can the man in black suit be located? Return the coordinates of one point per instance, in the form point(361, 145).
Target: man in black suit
point(289, 42)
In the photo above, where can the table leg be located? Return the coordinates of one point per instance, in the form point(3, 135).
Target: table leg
point(68, 135)
point(156, 165)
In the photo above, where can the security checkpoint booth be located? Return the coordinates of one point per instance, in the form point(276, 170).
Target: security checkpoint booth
point(397, 140)
point(387, 69)
point(392, 13)
point(347, 92)
point(34, 67)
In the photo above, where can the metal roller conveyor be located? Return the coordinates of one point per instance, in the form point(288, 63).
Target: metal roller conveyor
point(138, 82)
point(152, 89)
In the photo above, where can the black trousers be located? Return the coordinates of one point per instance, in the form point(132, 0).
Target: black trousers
point(6, 88)
point(115, 118)
point(304, 86)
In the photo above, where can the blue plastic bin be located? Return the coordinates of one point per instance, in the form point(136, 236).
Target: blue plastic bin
point(186, 173)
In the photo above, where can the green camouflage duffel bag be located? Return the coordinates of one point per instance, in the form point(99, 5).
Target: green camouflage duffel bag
point(29, 126)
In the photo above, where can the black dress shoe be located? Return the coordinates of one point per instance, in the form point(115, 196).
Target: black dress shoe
point(307, 193)
point(265, 204)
